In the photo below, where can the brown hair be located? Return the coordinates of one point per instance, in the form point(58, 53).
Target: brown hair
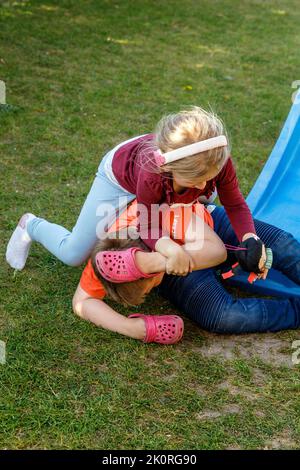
point(125, 293)
point(184, 128)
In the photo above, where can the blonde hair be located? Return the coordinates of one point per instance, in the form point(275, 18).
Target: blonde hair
point(125, 293)
point(184, 128)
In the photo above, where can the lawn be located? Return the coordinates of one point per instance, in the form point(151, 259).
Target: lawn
point(82, 76)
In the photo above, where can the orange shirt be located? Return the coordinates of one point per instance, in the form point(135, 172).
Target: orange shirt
point(175, 224)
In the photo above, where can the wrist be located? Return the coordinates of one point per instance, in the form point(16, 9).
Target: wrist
point(249, 235)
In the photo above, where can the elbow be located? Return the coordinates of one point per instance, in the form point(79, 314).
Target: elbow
point(218, 254)
point(222, 254)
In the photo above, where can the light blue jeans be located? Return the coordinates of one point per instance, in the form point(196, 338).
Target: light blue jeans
point(104, 202)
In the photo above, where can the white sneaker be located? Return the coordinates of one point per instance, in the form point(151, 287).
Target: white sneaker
point(19, 244)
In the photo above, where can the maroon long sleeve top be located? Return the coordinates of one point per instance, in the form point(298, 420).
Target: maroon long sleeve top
point(133, 169)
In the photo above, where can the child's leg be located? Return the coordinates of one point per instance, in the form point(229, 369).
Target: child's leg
point(98, 211)
point(163, 329)
point(202, 297)
point(203, 245)
point(150, 262)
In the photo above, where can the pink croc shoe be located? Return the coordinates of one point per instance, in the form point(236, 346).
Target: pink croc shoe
point(120, 266)
point(163, 329)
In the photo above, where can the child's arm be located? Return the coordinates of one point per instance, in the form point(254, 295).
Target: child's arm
point(203, 245)
point(202, 249)
point(233, 201)
point(102, 315)
point(178, 262)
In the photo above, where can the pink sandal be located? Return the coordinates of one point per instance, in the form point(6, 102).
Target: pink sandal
point(163, 329)
point(120, 266)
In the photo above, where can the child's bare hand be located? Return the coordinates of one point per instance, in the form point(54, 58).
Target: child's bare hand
point(179, 264)
point(263, 274)
point(264, 271)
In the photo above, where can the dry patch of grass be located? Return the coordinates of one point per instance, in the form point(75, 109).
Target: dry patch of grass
point(268, 348)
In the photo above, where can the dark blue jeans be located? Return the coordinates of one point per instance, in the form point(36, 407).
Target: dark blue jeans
point(202, 297)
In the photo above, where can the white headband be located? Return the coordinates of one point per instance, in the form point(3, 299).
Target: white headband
point(188, 150)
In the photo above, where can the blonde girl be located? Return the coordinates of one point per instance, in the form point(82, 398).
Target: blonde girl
point(135, 169)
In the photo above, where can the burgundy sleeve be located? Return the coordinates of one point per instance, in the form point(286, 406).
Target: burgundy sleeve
point(233, 201)
point(149, 194)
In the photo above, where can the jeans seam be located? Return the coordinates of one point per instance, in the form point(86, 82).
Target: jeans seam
point(190, 301)
point(265, 315)
point(221, 316)
point(282, 237)
point(220, 319)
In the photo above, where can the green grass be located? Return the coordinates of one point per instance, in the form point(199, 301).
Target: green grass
point(81, 77)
